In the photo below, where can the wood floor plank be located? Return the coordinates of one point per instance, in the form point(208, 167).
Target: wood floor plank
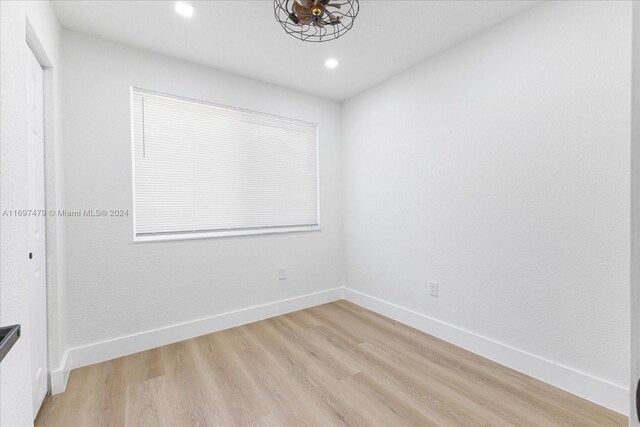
point(146, 403)
point(229, 381)
point(187, 389)
point(301, 399)
point(431, 348)
point(331, 365)
point(303, 319)
point(481, 402)
point(294, 361)
point(430, 396)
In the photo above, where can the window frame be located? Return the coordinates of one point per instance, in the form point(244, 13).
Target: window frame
point(220, 233)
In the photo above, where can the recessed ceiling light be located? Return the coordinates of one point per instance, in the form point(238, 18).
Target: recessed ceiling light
point(184, 9)
point(331, 63)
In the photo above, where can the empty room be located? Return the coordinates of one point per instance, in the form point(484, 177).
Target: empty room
point(319, 213)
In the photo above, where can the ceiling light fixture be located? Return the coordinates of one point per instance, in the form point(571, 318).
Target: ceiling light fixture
point(331, 63)
point(184, 9)
point(316, 20)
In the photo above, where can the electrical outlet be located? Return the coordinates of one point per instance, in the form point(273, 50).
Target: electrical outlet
point(282, 274)
point(433, 289)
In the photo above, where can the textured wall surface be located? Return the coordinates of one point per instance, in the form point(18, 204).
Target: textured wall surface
point(117, 287)
point(500, 168)
point(15, 372)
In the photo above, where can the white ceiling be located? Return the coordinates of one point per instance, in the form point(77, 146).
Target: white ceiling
point(243, 37)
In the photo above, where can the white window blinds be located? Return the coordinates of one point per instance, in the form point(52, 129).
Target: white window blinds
point(203, 170)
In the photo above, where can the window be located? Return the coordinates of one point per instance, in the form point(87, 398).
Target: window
point(204, 170)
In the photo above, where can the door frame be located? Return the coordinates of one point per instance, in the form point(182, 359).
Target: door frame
point(634, 415)
point(37, 283)
point(53, 271)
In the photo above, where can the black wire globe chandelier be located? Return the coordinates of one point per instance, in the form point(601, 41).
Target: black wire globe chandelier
point(316, 20)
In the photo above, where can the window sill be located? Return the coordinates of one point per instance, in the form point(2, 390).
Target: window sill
point(221, 234)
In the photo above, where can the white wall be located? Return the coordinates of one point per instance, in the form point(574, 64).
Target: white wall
point(43, 35)
point(500, 168)
point(116, 287)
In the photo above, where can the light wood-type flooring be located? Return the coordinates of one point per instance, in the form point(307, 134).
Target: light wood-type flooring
point(331, 365)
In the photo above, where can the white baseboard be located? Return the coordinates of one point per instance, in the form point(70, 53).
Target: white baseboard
point(58, 377)
point(602, 392)
point(122, 346)
point(599, 391)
